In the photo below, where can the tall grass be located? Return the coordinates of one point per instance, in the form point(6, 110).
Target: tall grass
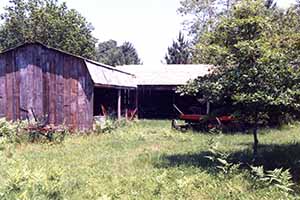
point(146, 160)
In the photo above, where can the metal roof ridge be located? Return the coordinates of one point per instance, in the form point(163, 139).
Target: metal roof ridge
point(107, 67)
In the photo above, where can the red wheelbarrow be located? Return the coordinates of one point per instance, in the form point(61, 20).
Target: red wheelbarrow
point(201, 122)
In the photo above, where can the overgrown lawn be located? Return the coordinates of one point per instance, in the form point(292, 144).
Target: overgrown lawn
point(146, 160)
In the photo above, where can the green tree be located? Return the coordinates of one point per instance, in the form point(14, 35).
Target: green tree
point(255, 68)
point(179, 52)
point(110, 53)
point(48, 22)
point(204, 15)
point(130, 54)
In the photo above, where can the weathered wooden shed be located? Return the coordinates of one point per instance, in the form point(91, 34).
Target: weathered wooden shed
point(56, 84)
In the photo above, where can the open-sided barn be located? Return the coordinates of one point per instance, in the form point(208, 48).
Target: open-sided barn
point(68, 89)
point(156, 85)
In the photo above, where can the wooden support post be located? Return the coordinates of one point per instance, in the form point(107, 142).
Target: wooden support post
point(137, 102)
point(119, 104)
point(207, 107)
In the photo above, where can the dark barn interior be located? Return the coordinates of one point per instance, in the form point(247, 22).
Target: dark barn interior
point(156, 102)
point(156, 88)
point(107, 98)
point(106, 101)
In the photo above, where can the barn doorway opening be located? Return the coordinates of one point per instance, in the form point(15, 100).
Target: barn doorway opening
point(105, 101)
point(156, 102)
point(114, 102)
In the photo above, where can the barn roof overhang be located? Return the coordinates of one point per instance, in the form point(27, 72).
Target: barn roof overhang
point(158, 87)
point(108, 77)
point(97, 85)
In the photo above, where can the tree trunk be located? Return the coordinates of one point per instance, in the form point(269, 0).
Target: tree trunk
point(255, 144)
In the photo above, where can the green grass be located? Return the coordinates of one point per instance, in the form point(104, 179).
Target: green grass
point(145, 160)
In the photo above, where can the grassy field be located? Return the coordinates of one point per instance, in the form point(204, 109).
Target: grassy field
point(146, 160)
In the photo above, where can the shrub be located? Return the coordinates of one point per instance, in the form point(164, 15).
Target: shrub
point(47, 134)
point(22, 131)
point(11, 132)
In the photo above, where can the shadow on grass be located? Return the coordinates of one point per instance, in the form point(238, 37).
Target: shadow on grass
point(271, 156)
point(185, 160)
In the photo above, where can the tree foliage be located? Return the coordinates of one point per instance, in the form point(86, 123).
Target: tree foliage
point(179, 52)
point(130, 55)
point(256, 52)
point(49, 22)
point(203, 15)
point(110, 53)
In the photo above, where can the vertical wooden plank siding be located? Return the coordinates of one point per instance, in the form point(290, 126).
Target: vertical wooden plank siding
point(60, 112)
point(23, 83)
point(16, 80)
point(38, 83)
point(89, 96)
point(54, 84)
point(50, 82)
point(85, 97)
point(52, 92)
point(9, 87)
point(67, 90)
point(81, 99)
point(29, 77)
point(46, 82)
point(2, 87)
point(74, 93)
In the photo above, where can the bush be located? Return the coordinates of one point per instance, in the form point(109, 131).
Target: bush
point(22, 131)
point(47, 134)
point(11, 132)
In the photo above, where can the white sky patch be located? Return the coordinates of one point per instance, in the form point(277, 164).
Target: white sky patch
point(285, 3)
point(151, 25)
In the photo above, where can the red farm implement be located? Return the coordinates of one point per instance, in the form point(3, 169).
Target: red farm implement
point(201, 122)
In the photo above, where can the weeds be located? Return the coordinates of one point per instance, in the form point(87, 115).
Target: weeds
point(280, 178)
point(11, 132)
point(108, 125)
point(26, 183)
point(219, 159)
point(148, 160)
point(24, 131)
